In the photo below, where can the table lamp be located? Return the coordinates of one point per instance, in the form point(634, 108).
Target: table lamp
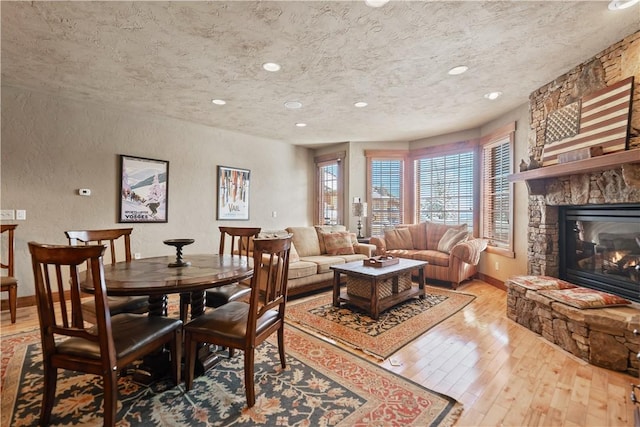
point(359, 211)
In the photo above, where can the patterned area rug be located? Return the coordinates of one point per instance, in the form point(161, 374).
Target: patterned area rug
point(322, 385)
point(394, 328)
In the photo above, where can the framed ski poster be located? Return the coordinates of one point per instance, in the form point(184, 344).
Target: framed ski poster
point(144, 189)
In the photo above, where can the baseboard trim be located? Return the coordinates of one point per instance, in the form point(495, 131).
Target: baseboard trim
point(492, 281)
point(30, 300)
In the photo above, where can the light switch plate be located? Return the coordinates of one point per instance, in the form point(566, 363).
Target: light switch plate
point(7, 214)
point(21, 214)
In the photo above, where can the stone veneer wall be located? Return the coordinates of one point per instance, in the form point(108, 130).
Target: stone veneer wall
point(616, 185)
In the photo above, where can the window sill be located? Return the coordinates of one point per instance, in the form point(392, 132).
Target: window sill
point(501, 251)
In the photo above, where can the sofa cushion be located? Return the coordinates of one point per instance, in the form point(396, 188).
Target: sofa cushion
point(418, 234)
point(435, 232)
point(398, 238)
point(322, 229)
point(403, 253)
point(301, 269)
point(338, 243)
point(354, 257)
point(323, 262)
point(432, 257)
point(306, 240)
point(451, 238)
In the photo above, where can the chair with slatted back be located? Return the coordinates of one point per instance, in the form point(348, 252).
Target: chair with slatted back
point(118, 241)
point(238, 240)
point(239, 243)
point(105, 348)
point(244, 325)
point(9, 283)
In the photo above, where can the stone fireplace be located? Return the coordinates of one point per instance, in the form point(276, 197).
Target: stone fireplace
point(612, 179)
point(556, 194)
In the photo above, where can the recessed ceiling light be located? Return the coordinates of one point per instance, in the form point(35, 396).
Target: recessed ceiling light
point(492, 95)
point(271, 66)
point(360, 104)
point(458, 70)
point(218, 101)
point(376, 3)
point(621, 4)
point(293, 105)
point(301, 125)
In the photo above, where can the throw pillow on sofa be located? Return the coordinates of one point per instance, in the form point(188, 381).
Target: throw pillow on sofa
point(324, 229)
point(338, 243)
point(451, 238)
point(398, 238)
point(435, 231)
point(293, 254)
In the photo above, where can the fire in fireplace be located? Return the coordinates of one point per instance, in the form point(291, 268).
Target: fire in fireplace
point(600, 248)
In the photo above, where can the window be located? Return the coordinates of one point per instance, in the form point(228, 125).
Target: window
point(329, 210)
point(444, 188)
point(385, 190)
point(497, 200)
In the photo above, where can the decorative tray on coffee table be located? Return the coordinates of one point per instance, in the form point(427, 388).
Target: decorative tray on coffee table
point(380, 261)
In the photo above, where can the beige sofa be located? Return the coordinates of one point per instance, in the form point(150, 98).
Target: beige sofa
point(452, 253)
point(315, 249)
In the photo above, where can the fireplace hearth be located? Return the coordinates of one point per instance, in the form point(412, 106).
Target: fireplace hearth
point(600, 248)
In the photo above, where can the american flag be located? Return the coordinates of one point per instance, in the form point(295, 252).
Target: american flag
point(603, 121)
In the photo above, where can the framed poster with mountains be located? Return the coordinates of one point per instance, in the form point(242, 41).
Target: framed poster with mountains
point(144, 189)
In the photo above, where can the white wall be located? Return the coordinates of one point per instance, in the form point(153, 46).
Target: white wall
point(51, 147)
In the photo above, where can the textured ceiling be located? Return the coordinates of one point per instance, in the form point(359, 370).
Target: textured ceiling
point(172, 58)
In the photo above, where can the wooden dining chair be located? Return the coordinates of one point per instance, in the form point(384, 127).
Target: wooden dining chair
point(244, 325)
point(239, 243)
point(101, 349)
point(118, 241)
point(8, 282)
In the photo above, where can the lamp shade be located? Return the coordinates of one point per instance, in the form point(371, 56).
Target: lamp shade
point(359, 209)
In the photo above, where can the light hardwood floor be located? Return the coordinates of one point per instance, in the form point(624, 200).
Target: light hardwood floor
point(503, 373)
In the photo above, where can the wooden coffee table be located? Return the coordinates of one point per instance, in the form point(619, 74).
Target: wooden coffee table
point(374, 289)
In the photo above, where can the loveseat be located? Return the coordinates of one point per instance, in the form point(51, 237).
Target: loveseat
point(452, 253)
point(315, 249)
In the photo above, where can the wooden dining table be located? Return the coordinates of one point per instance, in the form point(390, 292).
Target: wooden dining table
point(157, 279)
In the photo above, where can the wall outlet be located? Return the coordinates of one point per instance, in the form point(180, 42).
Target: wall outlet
point(21, 214)
point(274, 214)
point(8, 214)
point(497, 266)
point(137, 255)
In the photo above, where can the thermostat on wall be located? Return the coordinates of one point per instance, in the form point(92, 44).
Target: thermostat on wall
point(84, 192)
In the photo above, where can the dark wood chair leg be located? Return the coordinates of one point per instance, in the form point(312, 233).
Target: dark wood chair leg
point(49, 390)
point(283, 360)
point(190, 361)
point(110, 403)
point(176, 354)
point(13, 302)
point(248, 377)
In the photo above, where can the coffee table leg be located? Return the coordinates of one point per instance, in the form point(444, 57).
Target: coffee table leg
point(374, 300)
point(336, 289)
point(421, 282)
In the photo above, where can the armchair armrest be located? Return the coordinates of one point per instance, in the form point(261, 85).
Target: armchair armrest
point(469, 251)
point(380, 244)
point(365, 249)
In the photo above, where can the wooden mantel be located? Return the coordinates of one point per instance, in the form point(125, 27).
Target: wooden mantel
point(535, 177)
